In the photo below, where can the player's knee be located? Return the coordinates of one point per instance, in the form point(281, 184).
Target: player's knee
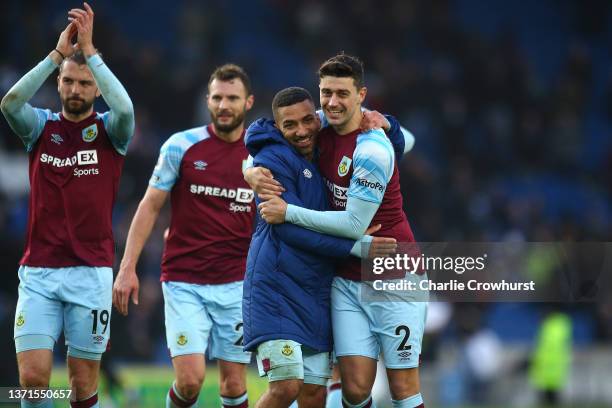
point(312, 396)
point(189, 384)
point(83, 385)
point(404, 386)
point(356, 391)
point(233, 385)
point(286, 391)
point(32, 377)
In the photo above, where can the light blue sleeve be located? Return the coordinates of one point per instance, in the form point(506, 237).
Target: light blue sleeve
point(408, 139)
point(27, 122)
point(350, 223)
point(322, 118)
point(119, 121)
point(248, 164)
point(373, 162)
point(168, 166)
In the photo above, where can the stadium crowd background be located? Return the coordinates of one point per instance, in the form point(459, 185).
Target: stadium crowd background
point(510, 104)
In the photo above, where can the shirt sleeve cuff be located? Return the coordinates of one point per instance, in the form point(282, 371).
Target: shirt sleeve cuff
point(362, 247)
point(290, 214)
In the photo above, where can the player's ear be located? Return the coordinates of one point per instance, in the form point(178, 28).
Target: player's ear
point(58, 82)
point(98, 93)
point(362, 94)
point(250, 101)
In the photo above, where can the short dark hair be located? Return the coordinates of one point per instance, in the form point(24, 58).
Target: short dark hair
point(290, 96)
point(78, 58)
point(342, 66)
point(227, 72)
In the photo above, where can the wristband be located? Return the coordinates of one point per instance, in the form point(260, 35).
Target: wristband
point(59, 52)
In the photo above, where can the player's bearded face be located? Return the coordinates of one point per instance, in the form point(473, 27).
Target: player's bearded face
point(227, 102)
point(76, 105)
point(77, 88)
point(226, 120)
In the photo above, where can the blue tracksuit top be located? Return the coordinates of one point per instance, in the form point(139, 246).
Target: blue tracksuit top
point(289, 269)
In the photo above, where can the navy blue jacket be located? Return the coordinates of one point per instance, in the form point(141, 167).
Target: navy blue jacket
point(289, 270)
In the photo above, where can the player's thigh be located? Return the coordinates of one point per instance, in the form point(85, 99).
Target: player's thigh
point(187, 320)
point(224, 304)
point(87, 295)
point(35, 367)
point(350, 323)
point(39, 310)
point(280, 360)
point(399, 327)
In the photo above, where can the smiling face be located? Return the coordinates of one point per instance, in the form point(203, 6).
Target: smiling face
point(341, 101)
point(299, 124)
point(77, 89)
point(228, 103)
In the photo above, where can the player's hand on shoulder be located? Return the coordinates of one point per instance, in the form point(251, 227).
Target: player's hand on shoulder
point(273, 211)
point(126, 285)
point(372, 120)
point(83, 19)
point(263, 183)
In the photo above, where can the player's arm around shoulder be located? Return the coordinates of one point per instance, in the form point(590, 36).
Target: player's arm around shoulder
point(262, 181)
point(401, 138)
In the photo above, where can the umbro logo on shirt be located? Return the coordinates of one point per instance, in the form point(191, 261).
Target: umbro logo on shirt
point(57, 139)
point(200, 165)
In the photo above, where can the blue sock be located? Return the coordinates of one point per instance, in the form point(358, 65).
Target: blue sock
point(45, 403)
point(414, 401)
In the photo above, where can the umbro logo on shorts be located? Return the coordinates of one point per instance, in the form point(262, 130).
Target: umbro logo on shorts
point(404, 354)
